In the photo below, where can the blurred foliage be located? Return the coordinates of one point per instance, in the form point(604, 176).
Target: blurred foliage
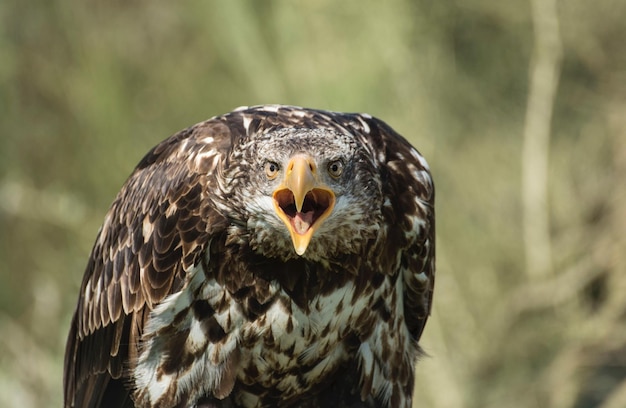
point(86, 88)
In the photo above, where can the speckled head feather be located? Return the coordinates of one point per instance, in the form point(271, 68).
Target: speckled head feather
point(272, 256)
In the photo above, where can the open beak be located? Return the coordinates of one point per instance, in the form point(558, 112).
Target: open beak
point(302, 202)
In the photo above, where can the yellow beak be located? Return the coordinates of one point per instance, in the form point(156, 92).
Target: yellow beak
point(302, 202)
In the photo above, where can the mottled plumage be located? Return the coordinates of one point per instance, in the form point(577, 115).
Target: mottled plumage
point(272, 256)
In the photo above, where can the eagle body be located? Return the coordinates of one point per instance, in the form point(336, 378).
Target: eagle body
point(273, 256)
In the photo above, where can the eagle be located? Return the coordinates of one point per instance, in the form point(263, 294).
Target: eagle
point(273, 256)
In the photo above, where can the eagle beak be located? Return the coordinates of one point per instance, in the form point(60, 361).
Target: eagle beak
point(302, 202)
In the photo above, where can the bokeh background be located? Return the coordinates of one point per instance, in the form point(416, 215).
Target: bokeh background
point(519, 106)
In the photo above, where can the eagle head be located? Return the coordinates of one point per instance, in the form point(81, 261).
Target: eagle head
point(305, 192)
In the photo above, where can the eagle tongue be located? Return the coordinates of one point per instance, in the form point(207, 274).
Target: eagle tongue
point(302, 221)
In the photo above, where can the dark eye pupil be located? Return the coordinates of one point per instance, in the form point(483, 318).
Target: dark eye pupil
point(335, 168)
point(271, 169)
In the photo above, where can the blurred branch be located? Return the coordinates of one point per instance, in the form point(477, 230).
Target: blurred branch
point(617, 398)
point(562, 375)
point(61, 209)
point(553, 292)
point(544, 78)
point(27, 368)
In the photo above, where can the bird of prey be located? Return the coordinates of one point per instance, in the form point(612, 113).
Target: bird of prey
point(274, 256)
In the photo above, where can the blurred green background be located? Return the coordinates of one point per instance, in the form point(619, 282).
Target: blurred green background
point(530, 302)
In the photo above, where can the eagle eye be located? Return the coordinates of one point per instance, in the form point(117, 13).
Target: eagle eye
point(335, 168)
point(271, 170)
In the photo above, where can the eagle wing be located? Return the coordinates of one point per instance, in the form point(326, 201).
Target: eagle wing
point(410, 220)
point(156, 229)
point(407, 256)
point(408, 213)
